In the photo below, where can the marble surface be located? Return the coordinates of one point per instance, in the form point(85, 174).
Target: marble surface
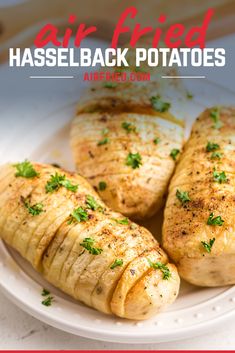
point(18, 330)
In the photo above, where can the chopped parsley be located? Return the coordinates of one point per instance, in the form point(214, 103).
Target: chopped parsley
point(88, 245)
point(25, 170)
point(34, 210)
point(92, 204)
point(110, 84)
point(215, 221)
point(189, 95)
point(102, 185)
point(105, 131)
point(156, 140)
point(174, 153)
point(183, 196)
point(45, 292)
point(104, 141)
point(159, 105)
point(134, 160)
point(129, 127)
point(211, 146)
point(124, 221)
point(48, 301)
point(216, 155)
point(220, 177)
point(215, 116)
point(78, 215)
point(208, 246)
point(117, 263)
point(160, 266)
point(57, 181)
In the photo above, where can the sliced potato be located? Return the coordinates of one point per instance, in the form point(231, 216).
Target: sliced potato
point(130, 154)
point(74, 240)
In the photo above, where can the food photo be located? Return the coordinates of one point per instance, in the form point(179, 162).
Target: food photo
point(117, 175)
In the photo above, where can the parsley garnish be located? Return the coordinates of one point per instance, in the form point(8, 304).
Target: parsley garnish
point(34, 210)
point(183, 196)
point(220, 177)
point(45, 292)
point(216, 155)
point(103, 142)
point(156, 140)
point(25, 170)
point(88, 245)
point(68, 185)
point(134, 160)
point(110, 84)
point(160, 266)
point(208, 246)
point(211, 146)
point(117, 262)
point(189, 95)
point(124, 221)
point(105, 131)
point(102, 185)
point(129, 127)
point(92, 204)
point(78, 215)
point(48, 301)
point(215, 221)
point(174, 153)
point(159, 105)
point(57, 181)
point(215, 116)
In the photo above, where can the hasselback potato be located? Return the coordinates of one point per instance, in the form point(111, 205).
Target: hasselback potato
point(198, 231)
point(56, 221)
point(126, 137)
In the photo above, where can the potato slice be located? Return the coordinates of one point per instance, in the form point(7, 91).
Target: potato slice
point(133, 272)
point(151, 294)
point(71, 268)
point(11, 198)
point(44, 233)
point(18, 213)
point(126, 248)
point(25, 232)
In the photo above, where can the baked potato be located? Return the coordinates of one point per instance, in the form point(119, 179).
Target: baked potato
point(56, 221)
point(198, 230)
point(126, 137)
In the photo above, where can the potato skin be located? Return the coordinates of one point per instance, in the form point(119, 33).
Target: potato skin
point(54, 244)
point(185, 225)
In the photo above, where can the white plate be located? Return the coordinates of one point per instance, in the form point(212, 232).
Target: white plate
point(41, 133)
